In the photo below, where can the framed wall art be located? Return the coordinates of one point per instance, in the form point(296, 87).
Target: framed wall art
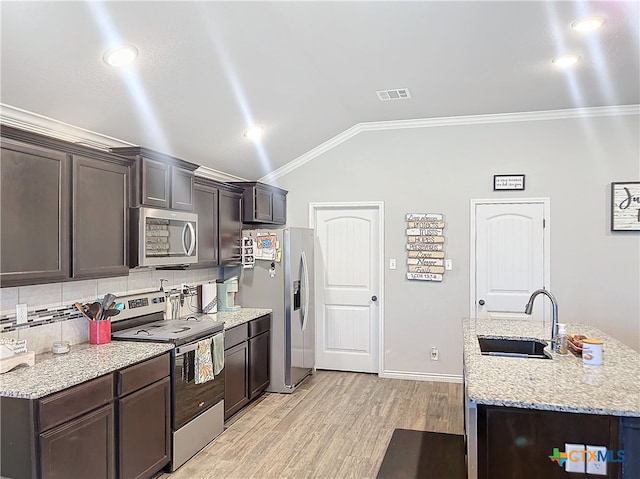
point(508, 182)
point(625, 206)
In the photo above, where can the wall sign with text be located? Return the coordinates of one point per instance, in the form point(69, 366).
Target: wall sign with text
point(425, 240)
point(625, 206)
point(508, 182)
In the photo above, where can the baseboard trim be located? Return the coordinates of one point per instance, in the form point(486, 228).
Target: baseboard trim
point(436, 377)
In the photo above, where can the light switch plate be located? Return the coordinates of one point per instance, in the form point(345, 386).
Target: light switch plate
point(598, 468)
point(448, 264)
point(21, 313)
point(392, 263)
point(575, 458)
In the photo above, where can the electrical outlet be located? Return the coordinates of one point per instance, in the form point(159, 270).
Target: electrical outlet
point(392, 263)
point(575, 458)
point(21, 313)
point(596, 466)
point(435, 354)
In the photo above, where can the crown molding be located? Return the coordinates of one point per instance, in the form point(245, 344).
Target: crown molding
point(43, 125)
point(216, 175)
point(449, 121)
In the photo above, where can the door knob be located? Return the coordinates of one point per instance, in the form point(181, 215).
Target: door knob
point(374, 298)
point(481, 302)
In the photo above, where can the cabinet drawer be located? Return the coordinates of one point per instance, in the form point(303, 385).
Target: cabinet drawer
point(260, 325)
point(70, 403)
point(140, 375)
point(235, 335)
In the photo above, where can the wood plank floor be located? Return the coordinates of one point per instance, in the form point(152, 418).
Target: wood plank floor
point(335, 425)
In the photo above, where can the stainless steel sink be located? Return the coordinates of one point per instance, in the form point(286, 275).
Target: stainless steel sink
point(515, 348)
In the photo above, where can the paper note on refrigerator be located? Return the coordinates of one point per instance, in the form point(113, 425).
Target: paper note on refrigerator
point(266, 247)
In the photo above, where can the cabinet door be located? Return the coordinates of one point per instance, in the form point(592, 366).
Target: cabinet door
point(259, 351)
point(263, 206)
point(279, 208)
point(514, 442)
point(155, 183)
point(34, 216)
point(144, 430)
point(229, 227)
point(205, 205)
point(100, 218)
point(181, 189)
point(236, 379)
point(83, 447)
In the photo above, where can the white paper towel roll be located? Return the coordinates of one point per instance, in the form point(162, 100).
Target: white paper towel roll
point(209, 298)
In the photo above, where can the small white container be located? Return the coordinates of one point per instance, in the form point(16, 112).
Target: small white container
point(592, 352)
point(60, 347)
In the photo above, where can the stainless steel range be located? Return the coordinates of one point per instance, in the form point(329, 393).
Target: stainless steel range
point(197, 409)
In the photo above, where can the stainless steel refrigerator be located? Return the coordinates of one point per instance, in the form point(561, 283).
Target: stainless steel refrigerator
point(285, 286)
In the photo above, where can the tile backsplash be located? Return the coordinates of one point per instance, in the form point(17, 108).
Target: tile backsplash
point(52, 316)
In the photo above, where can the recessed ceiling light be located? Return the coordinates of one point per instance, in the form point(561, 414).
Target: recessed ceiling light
point(120, 56)
point(587, 24)
point(565, 60)
point(254, 133)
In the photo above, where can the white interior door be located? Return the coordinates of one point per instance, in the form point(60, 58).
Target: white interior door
point(511, 258)
point(348, 286)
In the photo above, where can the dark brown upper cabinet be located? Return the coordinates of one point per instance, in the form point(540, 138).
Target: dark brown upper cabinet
point(160, 180)
point(34, 214)
point(64, 210)
point(218, 206)
point(229, 225)
point(100, 208)
point(263, 204)
point(205, 205)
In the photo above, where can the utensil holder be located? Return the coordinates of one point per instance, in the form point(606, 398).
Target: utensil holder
point(100, 332)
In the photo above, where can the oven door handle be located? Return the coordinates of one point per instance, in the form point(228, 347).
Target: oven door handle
point(192, 346)
point(186, 349)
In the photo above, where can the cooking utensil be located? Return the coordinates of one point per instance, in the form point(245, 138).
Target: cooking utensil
point(107, 301)
point(80, 308)
point(95, 309)
point(110, 312)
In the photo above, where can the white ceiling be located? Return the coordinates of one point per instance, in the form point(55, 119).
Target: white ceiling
point(307, 71)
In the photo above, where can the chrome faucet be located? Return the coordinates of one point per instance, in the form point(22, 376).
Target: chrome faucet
point(529, 308)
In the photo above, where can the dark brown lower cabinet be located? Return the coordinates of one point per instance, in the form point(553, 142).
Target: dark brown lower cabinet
point(259, 353)
point(246, 362)
point(116, 425)
point(83, 447)
point(144, 430)
point(236, 393)
point(517, 443)
point(144, 418)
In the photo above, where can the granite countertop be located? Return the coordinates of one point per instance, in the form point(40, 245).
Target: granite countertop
point(234, 318)
point(558, 384)
point(52, 373)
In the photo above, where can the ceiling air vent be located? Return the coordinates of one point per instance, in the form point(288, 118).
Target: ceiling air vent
point(398, 94)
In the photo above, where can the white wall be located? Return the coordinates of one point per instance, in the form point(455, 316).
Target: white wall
point(595, 274)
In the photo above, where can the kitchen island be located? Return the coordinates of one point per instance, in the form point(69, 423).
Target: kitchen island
point(518, 410)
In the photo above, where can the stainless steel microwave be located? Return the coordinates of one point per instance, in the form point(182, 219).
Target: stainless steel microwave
point(163, 237)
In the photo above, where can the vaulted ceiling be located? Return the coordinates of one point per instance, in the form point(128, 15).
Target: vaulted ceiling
point(306, 71)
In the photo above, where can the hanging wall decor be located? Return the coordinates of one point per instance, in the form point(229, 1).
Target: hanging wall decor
point(248, 252)
point(625, 206)
point(425, 241)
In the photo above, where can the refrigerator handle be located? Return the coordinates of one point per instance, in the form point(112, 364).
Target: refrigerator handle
point(305, 271)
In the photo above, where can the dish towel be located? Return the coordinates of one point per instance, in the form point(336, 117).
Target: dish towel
point(204, 362)
point(218, 353)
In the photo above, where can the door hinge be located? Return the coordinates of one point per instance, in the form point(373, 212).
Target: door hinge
point(544, 223)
